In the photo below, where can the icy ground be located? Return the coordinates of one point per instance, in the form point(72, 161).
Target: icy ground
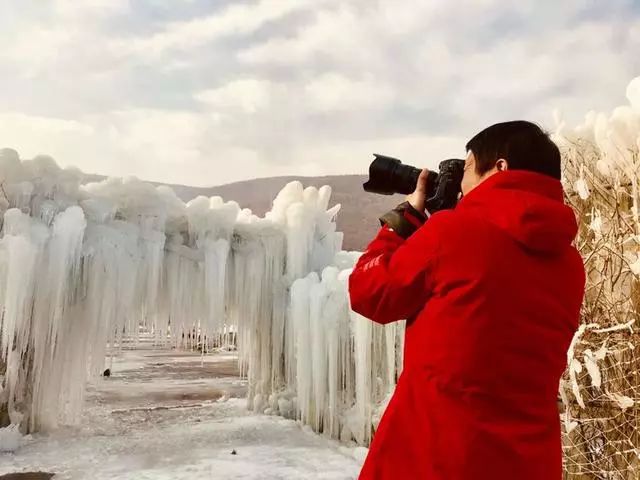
point(177, 415)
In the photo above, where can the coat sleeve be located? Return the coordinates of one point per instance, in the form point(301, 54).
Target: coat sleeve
point(393, 278)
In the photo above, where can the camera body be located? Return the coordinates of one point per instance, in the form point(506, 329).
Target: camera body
point(388, 175)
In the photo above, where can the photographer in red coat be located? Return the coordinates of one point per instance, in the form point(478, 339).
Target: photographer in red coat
point(491, 291)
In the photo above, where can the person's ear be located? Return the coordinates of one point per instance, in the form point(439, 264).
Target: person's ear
point(502, 165)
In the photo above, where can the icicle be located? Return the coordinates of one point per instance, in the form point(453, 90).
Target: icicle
point(622, 401)
point(575, 367)
point(300, 314)
point(633, 93)
point(362, 332)
point(59, 342)
point(581, 188)
point(590, 362)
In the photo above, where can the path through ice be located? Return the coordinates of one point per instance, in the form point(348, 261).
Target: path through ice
point(178, 415)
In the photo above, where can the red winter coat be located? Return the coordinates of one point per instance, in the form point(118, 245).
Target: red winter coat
point(492, 293)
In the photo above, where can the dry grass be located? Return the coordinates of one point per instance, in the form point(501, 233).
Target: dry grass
point(600, 415)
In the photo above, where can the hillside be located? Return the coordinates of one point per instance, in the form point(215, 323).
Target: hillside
point(358, 217)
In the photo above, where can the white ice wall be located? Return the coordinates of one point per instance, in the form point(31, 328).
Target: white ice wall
point(82, 266)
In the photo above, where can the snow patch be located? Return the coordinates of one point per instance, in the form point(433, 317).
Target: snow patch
point(11, 439)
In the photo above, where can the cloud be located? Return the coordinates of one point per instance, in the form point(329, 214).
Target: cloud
point(212, 92)
point(19, 121)
point(234, 19)
point(36, 48)
point(248, 95)
point(331, 92)
point(335, 33)
point(35, 135)
point(72, 9)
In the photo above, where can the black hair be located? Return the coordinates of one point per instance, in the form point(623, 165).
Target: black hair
point(524, 145)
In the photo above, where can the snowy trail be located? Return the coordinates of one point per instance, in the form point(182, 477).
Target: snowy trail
point(176, 415)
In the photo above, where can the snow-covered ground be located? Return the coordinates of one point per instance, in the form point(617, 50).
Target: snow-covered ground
point(177, 415)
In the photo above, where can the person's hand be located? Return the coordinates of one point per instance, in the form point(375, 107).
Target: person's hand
point(418, 198)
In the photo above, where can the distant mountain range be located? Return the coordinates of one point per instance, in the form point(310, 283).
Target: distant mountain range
point(358, 217)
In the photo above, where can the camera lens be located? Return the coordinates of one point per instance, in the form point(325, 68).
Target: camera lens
point(387, 175)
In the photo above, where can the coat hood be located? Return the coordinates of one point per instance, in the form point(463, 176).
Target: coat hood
point(528, 206)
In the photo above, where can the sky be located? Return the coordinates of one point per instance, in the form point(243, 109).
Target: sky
point(207, 92)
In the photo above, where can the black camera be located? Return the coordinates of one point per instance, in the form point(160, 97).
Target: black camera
point(388, 175)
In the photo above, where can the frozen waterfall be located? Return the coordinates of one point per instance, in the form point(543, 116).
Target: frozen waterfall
point(82, 267)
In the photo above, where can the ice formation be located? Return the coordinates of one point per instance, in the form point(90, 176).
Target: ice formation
point(11, 439)
point(82, 267)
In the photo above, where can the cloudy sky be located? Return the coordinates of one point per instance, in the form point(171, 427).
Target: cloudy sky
point(205, 92)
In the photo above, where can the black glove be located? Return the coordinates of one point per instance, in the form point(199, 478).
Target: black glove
point(404, 219)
